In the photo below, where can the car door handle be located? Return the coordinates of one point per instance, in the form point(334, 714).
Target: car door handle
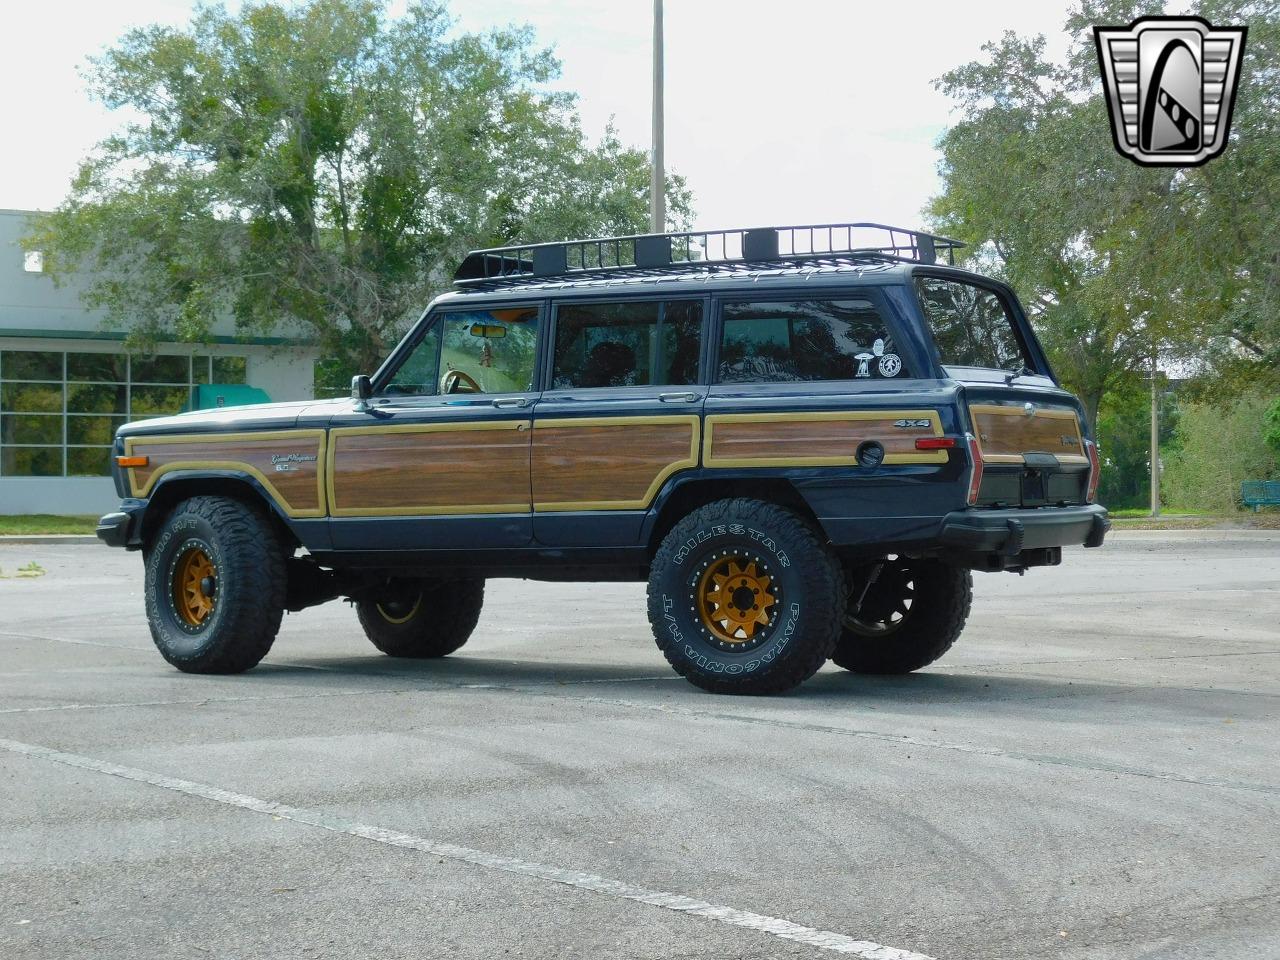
point(677, 397)
point(517, 403)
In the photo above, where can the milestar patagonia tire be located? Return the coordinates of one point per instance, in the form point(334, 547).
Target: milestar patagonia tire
point(907, 617)
point(745, 597)
point(215, 585)
point(424, 618)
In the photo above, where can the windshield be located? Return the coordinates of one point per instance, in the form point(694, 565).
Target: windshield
point(971, 326)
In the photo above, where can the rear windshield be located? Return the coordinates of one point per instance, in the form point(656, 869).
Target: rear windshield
point(970, 325)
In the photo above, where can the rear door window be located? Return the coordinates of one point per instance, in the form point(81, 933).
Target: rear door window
point(799, 340)
point(971, 326)
point(627, 344)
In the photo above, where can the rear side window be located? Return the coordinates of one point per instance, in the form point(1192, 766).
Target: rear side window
point(970, 325)
point(796, 340)
point(627, 344)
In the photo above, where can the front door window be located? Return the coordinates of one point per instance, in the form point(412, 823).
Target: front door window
point(471, 351)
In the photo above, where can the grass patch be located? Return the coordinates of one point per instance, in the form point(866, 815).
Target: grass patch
point(1238, 521)
point(1131, 513)
point(37, 523)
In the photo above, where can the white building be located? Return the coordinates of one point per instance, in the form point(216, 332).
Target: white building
point(66, 383)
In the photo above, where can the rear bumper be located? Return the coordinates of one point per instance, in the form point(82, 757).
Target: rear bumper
point(1012, 531)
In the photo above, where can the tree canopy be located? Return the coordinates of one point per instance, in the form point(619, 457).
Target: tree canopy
point(1118, 262)
point(318, 169)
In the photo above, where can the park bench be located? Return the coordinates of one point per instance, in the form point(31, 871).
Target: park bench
point(1260, 493)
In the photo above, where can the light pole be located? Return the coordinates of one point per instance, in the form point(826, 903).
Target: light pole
point(1155, 437)
point(657, 180)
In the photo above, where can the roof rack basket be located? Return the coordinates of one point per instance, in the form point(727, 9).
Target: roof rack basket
point(826, 244)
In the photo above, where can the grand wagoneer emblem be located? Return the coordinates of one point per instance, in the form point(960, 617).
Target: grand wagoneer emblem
point(1170, 84)
point(288, 462)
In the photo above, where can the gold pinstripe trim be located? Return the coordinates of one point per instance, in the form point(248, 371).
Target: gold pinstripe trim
point(692, 420)
point(923, 456)
point(231, 464)
point(453, 426)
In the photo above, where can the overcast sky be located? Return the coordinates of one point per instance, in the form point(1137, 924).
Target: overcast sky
point(777, 112)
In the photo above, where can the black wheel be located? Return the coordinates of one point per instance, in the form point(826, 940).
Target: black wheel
point(215, 583)
point(902, 614)
point(423, 618)
point(745, 597)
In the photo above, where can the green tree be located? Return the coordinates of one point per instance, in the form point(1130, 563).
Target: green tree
point(1117, 262)
point(1219, 445)
point(1124, 442)
point(318, 169)
point(1271, 428)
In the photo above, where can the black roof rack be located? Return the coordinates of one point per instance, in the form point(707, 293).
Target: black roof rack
point(825, 243)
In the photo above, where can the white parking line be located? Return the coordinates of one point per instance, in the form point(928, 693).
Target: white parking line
point(774, 926)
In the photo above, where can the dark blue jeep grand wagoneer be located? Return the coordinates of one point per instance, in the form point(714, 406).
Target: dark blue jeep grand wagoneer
point(803, 438)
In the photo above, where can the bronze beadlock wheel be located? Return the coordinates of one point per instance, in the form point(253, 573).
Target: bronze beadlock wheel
point(422, 618)
point(399, 611)
point(735, 600)
point(215, 586)
point(745, 596)
point(193, 584)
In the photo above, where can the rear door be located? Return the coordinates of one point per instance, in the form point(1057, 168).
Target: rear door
point(621, 414)
point(439, 457)
point(1029, 431)
point(806, 380)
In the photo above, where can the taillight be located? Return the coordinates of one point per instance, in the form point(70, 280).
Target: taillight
point(935, 443)
point(975, 477)
point(1095, 473)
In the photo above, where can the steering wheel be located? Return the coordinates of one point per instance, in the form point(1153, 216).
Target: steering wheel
point(453, 379)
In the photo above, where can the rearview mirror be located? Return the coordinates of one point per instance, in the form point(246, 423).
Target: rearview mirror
point(490, 331)
point(361, 387)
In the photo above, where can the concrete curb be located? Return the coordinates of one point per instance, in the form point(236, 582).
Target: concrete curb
point(48, 538)
point(1207, 533)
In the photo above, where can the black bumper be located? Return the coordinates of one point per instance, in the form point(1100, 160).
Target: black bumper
point(1011, 531)
point(113, 529)
point(124, 527)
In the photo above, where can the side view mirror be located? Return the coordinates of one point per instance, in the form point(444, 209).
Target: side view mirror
point(361, 389)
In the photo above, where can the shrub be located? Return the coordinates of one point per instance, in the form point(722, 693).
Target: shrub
point(1219, 446)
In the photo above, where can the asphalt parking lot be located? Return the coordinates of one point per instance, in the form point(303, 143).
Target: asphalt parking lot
point(1094, 771)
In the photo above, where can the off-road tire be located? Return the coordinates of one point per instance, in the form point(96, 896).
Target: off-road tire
point(248, 558)
point(940, 606)
point(432, 618)
point(806, 585)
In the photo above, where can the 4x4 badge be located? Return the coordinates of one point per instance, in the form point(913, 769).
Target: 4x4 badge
point(1171, 85)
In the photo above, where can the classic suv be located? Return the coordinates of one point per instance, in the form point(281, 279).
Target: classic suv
point(804, 441)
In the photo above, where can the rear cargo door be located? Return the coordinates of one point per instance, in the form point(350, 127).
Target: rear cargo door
point(1029, 431)
point(1032, 444)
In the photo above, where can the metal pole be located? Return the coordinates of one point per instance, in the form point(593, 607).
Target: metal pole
point(657, 179)
point(1155, 439)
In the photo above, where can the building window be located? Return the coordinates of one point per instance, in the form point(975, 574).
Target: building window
point(59, 412)
point(33, 261)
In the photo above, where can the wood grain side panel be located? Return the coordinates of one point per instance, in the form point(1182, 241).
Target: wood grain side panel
point(286, 463)
point(817, 439)
point(608, 463)
point(1005, 433)
point(430, 469)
